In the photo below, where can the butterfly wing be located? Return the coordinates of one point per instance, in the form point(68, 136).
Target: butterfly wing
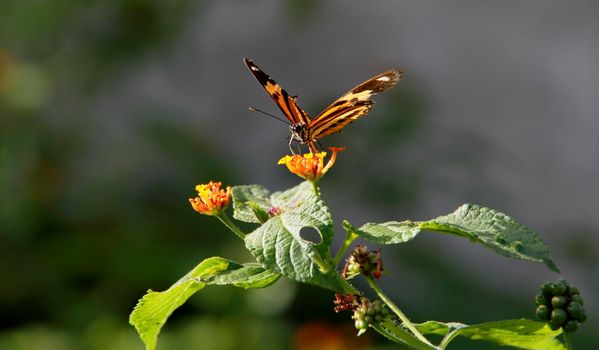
point(285, 102)
point(352, 105)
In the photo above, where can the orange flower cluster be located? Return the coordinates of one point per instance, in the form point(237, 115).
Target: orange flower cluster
point(211, 199)
point(310, 166)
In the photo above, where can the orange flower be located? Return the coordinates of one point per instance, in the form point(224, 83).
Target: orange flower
point(211, 200)
point(310, 166)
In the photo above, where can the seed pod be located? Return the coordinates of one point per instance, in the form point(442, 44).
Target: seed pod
point(558, 317)
point(575, 310)
point(558, 288)
point(571, 326)
point(543, 313)
point(361, 325)
point(572, 290)
point(540, 299)
point(577, 298)
point(546, 289)
point(558, 302)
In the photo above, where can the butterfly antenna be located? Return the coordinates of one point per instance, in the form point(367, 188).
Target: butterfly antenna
point(253, 109)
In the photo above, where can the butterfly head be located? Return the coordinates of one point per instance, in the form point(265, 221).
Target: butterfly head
point(299, 132)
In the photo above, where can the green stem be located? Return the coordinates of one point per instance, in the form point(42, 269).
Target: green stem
point(567, 340)
point(322, 265)
point(315, 188)
point(224, 218)
point(350, 237)
point(404, 319)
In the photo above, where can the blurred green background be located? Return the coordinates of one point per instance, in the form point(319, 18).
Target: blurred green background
point(112, 111)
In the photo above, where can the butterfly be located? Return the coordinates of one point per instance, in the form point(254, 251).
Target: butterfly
point(352, 105)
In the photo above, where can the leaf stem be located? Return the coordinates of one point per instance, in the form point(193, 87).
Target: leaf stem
point(224, 218)
point(567, 340)
point(404, 319)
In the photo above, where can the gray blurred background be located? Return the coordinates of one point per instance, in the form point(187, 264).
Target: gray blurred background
point(112, 111)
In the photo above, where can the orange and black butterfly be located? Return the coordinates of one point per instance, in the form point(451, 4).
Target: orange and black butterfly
point(350, 106)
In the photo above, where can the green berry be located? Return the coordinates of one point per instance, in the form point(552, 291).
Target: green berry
point(554, 327)
point(558, 317)
point(577, 298)
point(361, 324)
point(558, 302)
point(575, 310)
point(543, 313)
point(368, 319)
point(583, 317)
point(572, 290)
point(370, 311)
point(546, 289)
point(385, 312)
point(378, 318)
point(358, 315)
point(377, 307)
point(540, 299)
point(558, 288)
point(571, 326)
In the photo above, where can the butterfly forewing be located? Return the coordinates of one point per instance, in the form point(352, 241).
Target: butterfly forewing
point(352, 105)
point(285, 102)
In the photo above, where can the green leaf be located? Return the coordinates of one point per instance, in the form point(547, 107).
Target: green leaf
point(521, 333)
point(400, 335)
point(489, 227)
point(386, 233)
point(152, 311)
point(278, 246)
point(247, 276)
point(247, 199)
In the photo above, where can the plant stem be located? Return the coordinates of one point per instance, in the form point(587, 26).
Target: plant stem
point(224, 218)
point(350, 237)
point(315, 188)
point(404, 319)
point(567, 340)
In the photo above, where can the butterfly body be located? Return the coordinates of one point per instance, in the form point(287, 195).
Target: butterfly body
point(352, 105)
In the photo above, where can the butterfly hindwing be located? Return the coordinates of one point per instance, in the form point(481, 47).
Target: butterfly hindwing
point(285, 102)
point(352, 105)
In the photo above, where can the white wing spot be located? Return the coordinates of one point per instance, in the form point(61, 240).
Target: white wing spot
point(254, 68)
point(385, 78)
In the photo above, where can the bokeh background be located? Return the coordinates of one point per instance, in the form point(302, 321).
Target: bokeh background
point(112, 111)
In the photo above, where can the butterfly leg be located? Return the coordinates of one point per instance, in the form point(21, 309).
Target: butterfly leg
point(312, 147)
point(320, 145)
point(290, 139)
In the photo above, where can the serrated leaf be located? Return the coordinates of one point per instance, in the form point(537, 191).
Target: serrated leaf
point(494, 230)
point(278, 246)
point(391, 232)
point(400, 335)
point(154, 308)
point(247, 276)
point(520, 333)
point(247, 196)
point(489, 227)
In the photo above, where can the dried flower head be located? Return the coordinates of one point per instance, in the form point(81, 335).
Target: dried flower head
point(363, 261)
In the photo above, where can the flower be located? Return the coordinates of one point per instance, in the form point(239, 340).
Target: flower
point(211, 199)
point(310, 166)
